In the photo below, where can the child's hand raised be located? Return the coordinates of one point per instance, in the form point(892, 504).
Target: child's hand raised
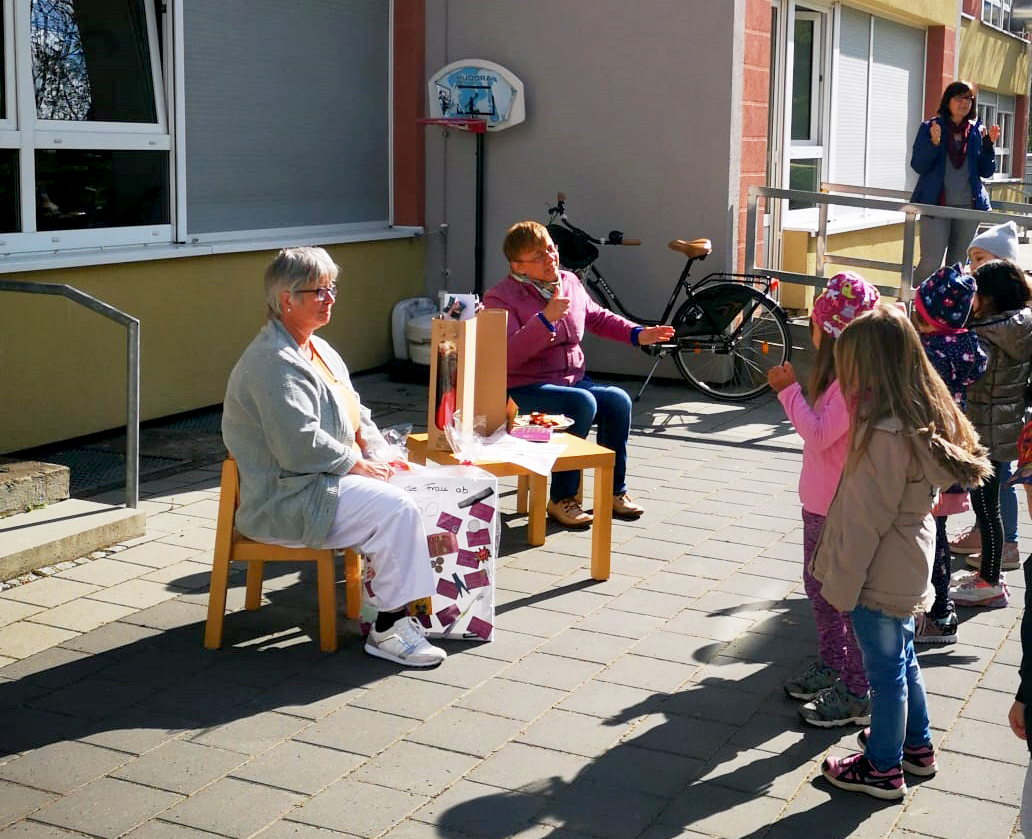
point(781, 376)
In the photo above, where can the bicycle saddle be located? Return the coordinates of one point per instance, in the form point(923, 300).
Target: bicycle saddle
point(693, 249)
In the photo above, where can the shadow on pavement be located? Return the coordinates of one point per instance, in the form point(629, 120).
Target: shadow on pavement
point(725, 748)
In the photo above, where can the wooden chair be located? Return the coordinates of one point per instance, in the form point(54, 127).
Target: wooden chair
point(230, 546)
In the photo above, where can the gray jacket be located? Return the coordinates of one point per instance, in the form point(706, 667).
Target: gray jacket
point(996, 402)
point(289, 433)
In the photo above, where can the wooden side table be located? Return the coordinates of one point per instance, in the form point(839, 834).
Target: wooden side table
point(578, 455)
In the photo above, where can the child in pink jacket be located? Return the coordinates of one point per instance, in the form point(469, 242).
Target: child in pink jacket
point(835, 684)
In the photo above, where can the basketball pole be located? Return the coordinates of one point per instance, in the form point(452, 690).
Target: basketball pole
point(478, 243)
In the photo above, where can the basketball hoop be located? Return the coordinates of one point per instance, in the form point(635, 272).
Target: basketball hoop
point(475, 96)
point(474, 126)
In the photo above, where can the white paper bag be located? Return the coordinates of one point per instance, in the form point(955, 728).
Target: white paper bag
point(459, 505)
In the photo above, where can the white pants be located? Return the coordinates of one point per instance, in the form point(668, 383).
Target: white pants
point(382, 523)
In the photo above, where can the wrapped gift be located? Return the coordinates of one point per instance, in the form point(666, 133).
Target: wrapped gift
point(459, 505)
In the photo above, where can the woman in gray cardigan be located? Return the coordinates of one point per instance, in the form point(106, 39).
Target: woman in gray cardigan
point(306, 449)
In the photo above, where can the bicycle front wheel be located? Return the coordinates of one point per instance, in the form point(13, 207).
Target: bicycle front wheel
point(729, 335)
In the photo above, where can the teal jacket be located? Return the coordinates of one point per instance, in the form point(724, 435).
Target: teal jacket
point(289, 433)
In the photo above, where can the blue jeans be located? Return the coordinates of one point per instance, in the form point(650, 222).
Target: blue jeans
point(584, 402)
point(1008, 501)
point(899, 707)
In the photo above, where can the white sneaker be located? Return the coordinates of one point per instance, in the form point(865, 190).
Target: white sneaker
point(404, 643)
point(978, 592)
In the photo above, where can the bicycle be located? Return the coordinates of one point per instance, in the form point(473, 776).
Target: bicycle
point(728, 332)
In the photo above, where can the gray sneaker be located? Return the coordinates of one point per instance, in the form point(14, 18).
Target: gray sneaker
point(836, 707)
point(811, 681)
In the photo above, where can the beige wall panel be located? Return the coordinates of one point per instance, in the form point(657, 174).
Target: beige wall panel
point(62, 367)
point(924, 12)
point(992, 59)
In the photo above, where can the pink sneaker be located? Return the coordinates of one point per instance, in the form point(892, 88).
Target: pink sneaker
point(857, 774)
point(967, 542)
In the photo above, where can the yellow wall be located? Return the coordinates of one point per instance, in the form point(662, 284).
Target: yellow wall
point(923, 12)
point(799, 250)
point(989, 58)
point(62, 367)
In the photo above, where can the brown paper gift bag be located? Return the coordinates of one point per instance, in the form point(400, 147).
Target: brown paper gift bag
point(467, 374)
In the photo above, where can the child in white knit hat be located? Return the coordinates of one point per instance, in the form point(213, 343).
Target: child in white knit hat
point(997, 242)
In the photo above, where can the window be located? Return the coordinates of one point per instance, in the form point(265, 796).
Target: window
point(997, 13)
point(877, 99)
point(285, 124)
point(998, 109)
point(805, 149)
point(278, 121)
point(84, 141)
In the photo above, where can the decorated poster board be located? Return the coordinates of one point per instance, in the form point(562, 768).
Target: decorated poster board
point(459, 506)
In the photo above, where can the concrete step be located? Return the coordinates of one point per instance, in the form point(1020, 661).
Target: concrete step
point(26, 485)
point(63, 531)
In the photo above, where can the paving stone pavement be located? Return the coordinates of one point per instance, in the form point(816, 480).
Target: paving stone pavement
point(649, 705)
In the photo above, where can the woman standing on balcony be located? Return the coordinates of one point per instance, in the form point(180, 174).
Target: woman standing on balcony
point(952, 153)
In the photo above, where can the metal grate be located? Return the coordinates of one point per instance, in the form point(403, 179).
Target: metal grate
point(96, 470)
point(208, 422)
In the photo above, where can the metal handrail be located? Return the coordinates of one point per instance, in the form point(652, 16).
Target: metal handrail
point(885, 199)
point(132, 389)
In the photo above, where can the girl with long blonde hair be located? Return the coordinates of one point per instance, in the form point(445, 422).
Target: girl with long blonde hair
point(907, 439)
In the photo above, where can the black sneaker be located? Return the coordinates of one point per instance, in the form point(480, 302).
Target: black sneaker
point(936, 631)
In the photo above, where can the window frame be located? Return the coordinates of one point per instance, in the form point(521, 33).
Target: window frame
point(31, 248)
point(813, 148)
point(28, 134)
point(990, 112)
point(999, 14)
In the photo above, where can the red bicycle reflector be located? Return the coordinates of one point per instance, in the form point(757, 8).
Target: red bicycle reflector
point(774, 283)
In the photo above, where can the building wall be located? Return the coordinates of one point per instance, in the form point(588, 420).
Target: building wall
point(992, 59)
point(799, 251)
point(62, 367)
point(630, 111)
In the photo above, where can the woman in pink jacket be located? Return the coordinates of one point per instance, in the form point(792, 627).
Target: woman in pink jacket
point(549, 312)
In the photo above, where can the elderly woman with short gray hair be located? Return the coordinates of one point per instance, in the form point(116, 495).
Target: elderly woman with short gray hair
point(306, 450)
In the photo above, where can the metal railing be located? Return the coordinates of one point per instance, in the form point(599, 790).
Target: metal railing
point(871, 199)
point(132, 386)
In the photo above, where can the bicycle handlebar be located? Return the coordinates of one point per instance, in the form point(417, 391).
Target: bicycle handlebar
point(615, 237)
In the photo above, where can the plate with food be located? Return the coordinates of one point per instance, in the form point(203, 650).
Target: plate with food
point(556, 422)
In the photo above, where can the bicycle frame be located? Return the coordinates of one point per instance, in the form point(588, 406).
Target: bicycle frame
point(711, 320)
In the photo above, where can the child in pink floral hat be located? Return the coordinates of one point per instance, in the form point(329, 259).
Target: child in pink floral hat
point(835, 685)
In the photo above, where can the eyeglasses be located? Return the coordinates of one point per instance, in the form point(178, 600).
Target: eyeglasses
point(321, 293)
point(550, 251)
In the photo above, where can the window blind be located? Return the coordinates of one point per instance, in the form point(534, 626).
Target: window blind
point(286, 113)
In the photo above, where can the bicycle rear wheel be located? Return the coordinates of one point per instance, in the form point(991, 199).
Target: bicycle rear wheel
point(728, 336)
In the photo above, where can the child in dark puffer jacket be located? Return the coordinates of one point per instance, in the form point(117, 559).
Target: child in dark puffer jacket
point(996, 406)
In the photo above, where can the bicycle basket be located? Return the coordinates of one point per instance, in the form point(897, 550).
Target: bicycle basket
point(574, 252)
